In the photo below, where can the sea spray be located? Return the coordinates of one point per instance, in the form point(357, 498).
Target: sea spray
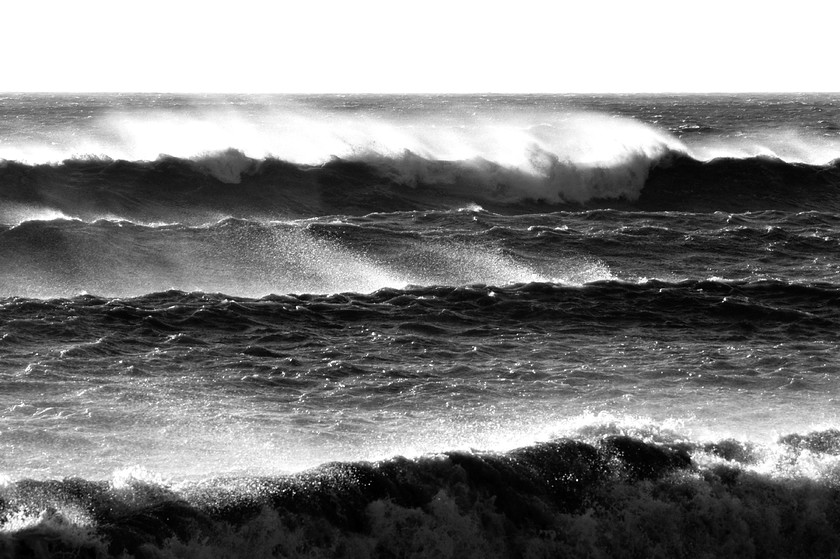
point(438, 326)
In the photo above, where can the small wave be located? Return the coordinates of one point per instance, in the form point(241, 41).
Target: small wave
point(14, 214)
point(776, 309)
point(741, 185)
point(256, 258)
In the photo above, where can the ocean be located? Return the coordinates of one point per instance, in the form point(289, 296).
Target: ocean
point(419, 326)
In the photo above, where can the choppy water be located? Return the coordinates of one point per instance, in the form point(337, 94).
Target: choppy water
point(440, 326)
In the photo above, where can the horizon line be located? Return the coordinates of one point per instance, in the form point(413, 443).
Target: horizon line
point(409, 93)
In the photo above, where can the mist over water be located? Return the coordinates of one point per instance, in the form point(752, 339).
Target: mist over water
point(571, 156)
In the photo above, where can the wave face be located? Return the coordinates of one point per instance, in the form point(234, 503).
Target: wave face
point(615, 497)
point(229, 183)
point(63, 257)
point(427, 326)
point(102, 157)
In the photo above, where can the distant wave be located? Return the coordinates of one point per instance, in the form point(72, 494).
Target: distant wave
point(291, 160)
point(196, 190)
point(61, 257)
point(614, 496)
point(47, 253)
point(775, 309)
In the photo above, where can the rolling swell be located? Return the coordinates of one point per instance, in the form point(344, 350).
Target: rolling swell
point(772, 309)
point(229, 183)
point(736, 185)
point(616, 496)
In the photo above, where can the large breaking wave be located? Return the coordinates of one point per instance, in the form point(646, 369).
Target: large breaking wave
point(290, 159)
point(206, 189)
point(185, 167)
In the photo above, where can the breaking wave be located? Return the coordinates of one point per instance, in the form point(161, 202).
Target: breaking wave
point(610, 496)
point(200, 166)
point(231, 184)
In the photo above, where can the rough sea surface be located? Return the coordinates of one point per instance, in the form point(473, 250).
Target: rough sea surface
point(420, 326)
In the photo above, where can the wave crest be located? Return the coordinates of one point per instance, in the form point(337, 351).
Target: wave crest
point(568, 158)
point(227, 166)
point(198, 190)
point(581, 158)
point(615, 497)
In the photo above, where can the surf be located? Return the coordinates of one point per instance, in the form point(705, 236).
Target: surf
point(611, 495)
point(205, 158)
point(176, 190)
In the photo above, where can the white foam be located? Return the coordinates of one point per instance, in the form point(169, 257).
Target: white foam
point(788, 145)
point(574, 159)
point(563, 157)
point(15, 214)
point(125, 479)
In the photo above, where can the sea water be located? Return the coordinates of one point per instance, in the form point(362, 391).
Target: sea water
point(427, 326)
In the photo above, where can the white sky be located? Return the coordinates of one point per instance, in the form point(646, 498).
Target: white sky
point(309, 46)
